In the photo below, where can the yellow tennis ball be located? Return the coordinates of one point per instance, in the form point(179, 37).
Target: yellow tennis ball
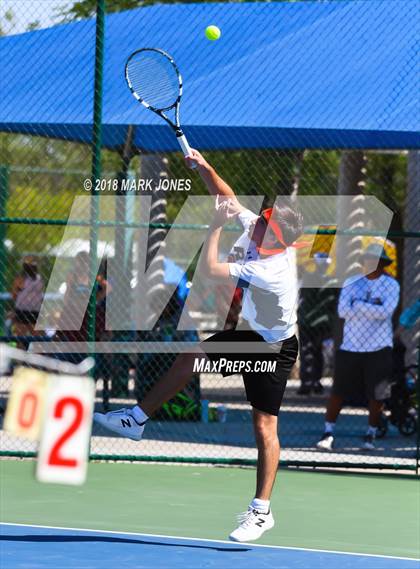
point(213, 33)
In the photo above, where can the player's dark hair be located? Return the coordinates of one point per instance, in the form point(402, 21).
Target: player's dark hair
point(290, 221)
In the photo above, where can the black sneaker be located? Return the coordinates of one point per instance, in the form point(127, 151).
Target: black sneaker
point(326, 442)
point(318, 388)
point(304, 389)
point(369, 442)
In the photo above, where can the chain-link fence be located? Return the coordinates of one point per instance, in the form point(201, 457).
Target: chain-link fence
point(309, 100)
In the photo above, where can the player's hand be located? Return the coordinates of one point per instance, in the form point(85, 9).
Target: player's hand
point(230, 207)
point(234, 208)
point(196, 160)
point(222, 211)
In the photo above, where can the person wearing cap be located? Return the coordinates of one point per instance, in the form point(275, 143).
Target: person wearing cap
point(27, 293)
point(364, 360)
point(263, 264)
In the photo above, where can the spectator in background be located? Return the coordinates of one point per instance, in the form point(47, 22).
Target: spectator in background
point(364, 360)
point(316, 314)
point(103, 290)
point(27, 293)
point(75, 303)
point(75, 297)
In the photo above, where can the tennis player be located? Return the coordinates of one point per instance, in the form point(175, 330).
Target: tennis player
point(264, 264)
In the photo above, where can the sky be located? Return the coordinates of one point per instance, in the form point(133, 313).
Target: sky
point(28, 11)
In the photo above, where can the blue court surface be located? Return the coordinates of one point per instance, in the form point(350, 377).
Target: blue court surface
point(43, 547)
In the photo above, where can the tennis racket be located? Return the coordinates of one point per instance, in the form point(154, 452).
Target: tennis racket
point(155, 81)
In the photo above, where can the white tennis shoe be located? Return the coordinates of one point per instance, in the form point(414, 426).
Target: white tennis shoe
point(121, 422)
point(326, 442)
point(252, 524)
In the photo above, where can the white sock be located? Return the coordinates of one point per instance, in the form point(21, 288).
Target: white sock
point(139, 415)
point(329, 427)
point(372, 431)
point(262, 506)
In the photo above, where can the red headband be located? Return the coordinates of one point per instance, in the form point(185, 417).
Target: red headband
point(266, 214)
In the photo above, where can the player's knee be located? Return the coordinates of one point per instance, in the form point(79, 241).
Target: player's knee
point(265, 427)
point(189, 360)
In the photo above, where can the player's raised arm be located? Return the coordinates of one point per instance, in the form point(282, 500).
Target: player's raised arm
point(215, 184)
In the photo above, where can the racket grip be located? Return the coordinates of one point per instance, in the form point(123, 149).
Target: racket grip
point(186, 148)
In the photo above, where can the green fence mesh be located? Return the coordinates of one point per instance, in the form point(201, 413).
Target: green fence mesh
point(55, 231)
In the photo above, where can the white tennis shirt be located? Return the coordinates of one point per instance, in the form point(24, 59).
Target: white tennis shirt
point(367, 306)
point(269, 283)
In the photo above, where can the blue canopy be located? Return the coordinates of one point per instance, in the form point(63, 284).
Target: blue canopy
point(283, 75)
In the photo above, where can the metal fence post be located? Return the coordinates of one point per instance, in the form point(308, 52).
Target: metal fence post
point(96, 165)
point(4, 192)
point(418, 412)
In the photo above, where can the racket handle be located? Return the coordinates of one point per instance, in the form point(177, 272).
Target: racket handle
point(186, 148)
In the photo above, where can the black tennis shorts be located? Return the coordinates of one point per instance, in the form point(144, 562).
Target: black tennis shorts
point(366, 374)
point(264, 387)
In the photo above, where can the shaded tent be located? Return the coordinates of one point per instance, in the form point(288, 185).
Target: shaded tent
point(285, 75)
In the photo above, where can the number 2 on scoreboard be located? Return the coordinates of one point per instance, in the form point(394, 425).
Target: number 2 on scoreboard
point(55, 457)
point(64, 445)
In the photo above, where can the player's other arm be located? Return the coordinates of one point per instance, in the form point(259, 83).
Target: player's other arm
point(209, 263)
point(215, 184)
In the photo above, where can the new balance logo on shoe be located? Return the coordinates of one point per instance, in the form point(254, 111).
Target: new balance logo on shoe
point(252, 524)
point(120, 422)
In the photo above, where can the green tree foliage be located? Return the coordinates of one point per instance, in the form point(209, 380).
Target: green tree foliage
point(87, 8)
point(6, 22)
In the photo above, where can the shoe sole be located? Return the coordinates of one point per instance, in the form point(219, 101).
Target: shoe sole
point(324, 448)
point(249, 540)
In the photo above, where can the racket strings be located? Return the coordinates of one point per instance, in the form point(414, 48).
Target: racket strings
point(154, 78)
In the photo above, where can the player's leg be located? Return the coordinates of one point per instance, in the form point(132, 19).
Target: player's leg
point(181, 371)
point(130, 422)
point(347, 376)
point(259, 518)
point(334, 406)
point(375, 411)
point(175, 379)
point(317, 386)
point(265, 393)
point(377, 377)
point(268, 446)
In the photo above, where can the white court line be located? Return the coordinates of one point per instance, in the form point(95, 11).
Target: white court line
point(213, 541)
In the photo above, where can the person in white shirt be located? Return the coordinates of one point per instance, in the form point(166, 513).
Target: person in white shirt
point(264, 266)
point(364, 360)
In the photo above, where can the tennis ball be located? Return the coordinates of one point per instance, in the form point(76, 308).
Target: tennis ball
point(213, 33)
